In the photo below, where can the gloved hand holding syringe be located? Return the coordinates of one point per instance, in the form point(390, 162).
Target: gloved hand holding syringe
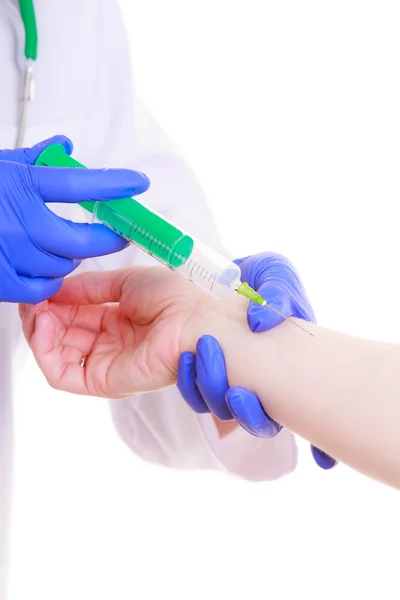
point(161, 239)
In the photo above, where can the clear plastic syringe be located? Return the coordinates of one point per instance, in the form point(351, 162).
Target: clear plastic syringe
point(160, 238)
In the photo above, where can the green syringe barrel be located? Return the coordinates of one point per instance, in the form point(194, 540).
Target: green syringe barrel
point(130, 219)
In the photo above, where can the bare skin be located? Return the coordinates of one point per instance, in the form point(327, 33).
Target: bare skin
point(340, 393)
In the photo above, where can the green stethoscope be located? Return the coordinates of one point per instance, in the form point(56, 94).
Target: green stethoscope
point(31, 45)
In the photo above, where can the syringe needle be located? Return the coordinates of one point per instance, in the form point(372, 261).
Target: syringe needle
point(287, 318)
point(245, 290)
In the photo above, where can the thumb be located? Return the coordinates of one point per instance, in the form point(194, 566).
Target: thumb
point(31, 154)
point(61, 184)
point(97, 287)
point(278, 308)
point(28, 156)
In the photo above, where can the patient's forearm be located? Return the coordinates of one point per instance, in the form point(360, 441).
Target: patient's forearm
point(339, 392)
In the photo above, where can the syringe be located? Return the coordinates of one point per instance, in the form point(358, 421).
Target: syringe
point(161, 239)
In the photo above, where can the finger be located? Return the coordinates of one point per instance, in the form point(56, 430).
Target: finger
point(89, 318)
point(277, 309)
point(240, 261)
point(76, 240)
point(28, 314)
point(269, 267)
point(28, 156)
point(93, 287)
point(186, 383)
point(49, 357)
point(264, 267)
point(260, 271)
point(58, 236)
point(77, 342)
point(249, 413)
point(322, 459)
point(15, 288)
point(79, 338)
point(274, 277)
point(44, 329)
point(81, 327)
point(43, 264)
point(32, 154)
point(248, 267)
point(211, 378)
point(35, 290)
point(61, 184)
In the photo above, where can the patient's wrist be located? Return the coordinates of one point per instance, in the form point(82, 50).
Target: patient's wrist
point(218, 318)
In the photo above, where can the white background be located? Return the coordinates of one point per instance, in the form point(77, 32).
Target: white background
point(289, 113)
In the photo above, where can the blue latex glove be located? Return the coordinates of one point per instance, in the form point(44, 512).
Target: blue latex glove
point(202, 378)
point(38, 248)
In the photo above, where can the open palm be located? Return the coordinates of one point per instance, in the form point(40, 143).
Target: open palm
point(129, 323)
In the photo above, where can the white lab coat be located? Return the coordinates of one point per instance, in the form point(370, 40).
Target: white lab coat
point(83, 90)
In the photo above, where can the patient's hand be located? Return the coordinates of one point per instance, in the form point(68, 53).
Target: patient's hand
point(132, 324)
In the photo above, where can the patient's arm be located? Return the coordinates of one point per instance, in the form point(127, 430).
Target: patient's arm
point(339, 392)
